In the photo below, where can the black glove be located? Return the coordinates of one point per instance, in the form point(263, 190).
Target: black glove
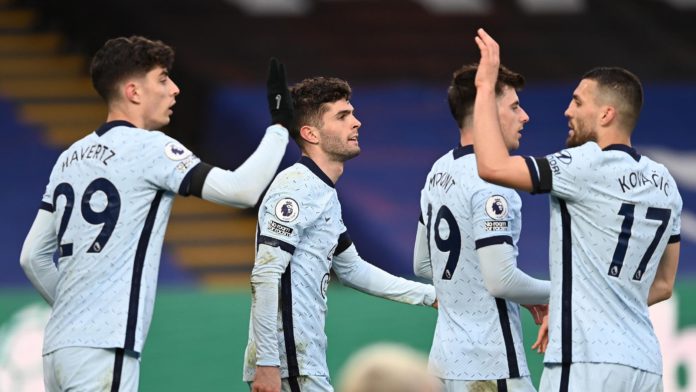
point(279, 99)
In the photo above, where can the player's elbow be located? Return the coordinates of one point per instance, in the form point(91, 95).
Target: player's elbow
point(498, 292)
point(247, 199)
point(26, 258)
point(422, 272)
point(24, 261)
point(660, 291)
point(243, 197)
point(489, 173)
point(666, 294)
point(663, 292)
point(496, 288)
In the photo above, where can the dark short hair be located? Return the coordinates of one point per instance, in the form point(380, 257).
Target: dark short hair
point(310, 97)
point(123, 57)
point(623, 89)
point(462, 90)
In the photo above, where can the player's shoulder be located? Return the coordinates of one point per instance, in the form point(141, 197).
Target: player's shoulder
point(156, 144)
point(654, 165)
point(295, 193)
point(576, 155)
point(485, 192)
point(660, 174)
point(577, 162)
point(454, 163)
point(487, 187)
point(294, 181)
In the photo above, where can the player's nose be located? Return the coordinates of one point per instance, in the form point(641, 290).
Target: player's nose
point(525, 117)
point(175, 89)
point(357, 124)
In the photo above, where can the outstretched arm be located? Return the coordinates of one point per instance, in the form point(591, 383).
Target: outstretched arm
point(503, 279)
point(357, 273)
point(37, 256)
point(244, 186)
point(492, 158)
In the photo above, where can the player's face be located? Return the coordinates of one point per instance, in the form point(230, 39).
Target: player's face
point(339, 132)
point(158, 95)
point(582, 114)
point(512, 117)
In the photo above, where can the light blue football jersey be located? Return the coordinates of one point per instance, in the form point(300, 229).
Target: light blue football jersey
point(613, 212)
point(111, 193)
point(302, 215)
point(477, 336)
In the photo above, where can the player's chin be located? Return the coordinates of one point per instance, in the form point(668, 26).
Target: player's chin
point(352, 153)
point(574, 141)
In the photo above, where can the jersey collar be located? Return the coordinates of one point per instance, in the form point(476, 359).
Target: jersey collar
point(462, 150)
point(307, 161)
point(106, 127)
point(622, 147)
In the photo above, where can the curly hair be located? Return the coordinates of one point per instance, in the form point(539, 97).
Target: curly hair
point(310, 97)
point(462, 90)
point(123, 57)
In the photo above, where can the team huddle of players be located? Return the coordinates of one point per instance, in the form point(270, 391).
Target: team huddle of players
point(614, 248)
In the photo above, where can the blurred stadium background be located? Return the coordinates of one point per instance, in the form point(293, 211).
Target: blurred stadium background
point(398, 56)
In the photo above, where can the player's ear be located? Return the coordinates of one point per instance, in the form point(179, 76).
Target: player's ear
point(309, 134)
point(608, 114)
point(131, 91)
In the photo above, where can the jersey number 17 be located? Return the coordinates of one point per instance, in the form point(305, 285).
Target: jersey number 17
point(627, 210)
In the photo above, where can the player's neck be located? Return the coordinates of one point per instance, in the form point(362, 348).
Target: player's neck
point(466, 137)
point(332, 168)
point(116, 114)
point(609, 137)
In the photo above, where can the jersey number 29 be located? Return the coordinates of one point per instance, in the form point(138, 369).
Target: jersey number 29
point(108, 216)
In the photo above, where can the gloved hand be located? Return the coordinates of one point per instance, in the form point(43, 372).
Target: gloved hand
point(279, 99)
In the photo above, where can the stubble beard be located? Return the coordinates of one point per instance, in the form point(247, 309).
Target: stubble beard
point(580, 135)
point(341, 152)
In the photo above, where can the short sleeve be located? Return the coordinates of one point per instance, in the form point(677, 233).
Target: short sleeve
point(493, 211)
point(675, 234)
point(167, 162)
point(563, 174)
point(286, 211)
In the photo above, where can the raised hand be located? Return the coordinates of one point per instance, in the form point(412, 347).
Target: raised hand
point(487, 73)
point(279, 99)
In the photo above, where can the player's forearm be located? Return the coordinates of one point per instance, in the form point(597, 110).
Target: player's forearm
point(265, 281)
point(488, 139)
point(663, 284)
point(503, 279)
point(243, 187)
point(355, 272)
point(264, 318)
point(422, 266)
point(36, 257)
